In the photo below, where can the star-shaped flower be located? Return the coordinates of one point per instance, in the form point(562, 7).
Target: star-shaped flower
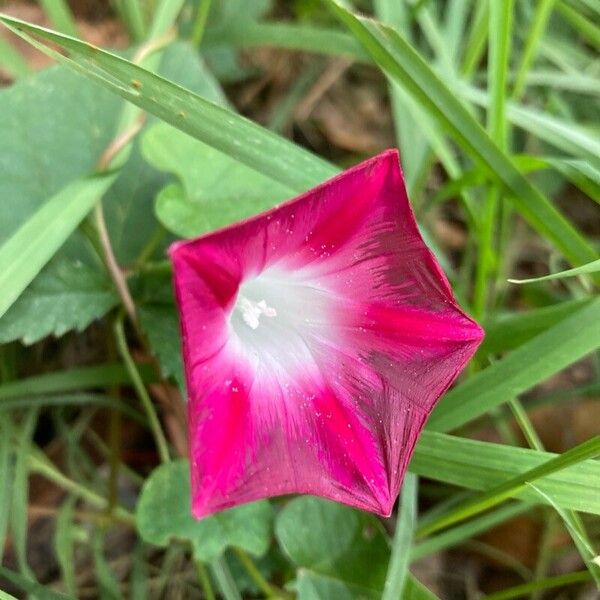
point(317, 338)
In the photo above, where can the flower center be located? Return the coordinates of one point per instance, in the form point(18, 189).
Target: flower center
point(276, 316)
point(251, 311)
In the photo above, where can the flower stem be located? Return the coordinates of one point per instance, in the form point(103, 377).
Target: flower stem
point(138, 384)
point(270, 591)
point(41, 465)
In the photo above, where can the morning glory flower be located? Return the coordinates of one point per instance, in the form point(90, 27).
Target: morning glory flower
point(317, 338)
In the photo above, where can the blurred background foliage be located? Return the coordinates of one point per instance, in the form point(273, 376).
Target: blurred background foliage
point(494, 107)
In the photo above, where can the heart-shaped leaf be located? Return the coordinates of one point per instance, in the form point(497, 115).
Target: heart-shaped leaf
point(164, 514)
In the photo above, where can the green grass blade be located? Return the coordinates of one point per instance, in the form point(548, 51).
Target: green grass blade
point(59, 14)
point(468, 530)
point(397, 572)
point(592, 267)
point(11, 60)
point(514, 486)
point(77, 399)
point(455, 21)
point(6, 477)
point(577, 532)
point(588, 30)
point(165, 14)
point(403, 64)
point(224, 579)
point(546, 354)
point(323, 40)
point(476, 38)
point(564, 135)
point(107, 584)
point(538, 25)
point(35, 589)
point(500, 28)
point(408, 120)
point(24, 254)
point(476, 465)
point(548, 583)
point(64, 543)
point(71, 380)
point(20, 493)
point(242, 139)
point(133, 17)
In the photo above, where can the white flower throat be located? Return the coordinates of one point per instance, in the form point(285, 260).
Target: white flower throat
point(276, 315)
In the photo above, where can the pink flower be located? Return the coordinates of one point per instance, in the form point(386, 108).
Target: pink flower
point(317, 338)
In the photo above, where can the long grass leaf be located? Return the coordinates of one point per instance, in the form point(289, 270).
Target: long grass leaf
point(575, 528)
point(539, 358)
point(514, 486)
point(24, 254)
point(592, 267)
point(71, 380)
point(548, 583)
point(477, 465)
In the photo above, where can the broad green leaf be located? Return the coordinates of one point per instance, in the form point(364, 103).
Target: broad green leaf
point(592, 267)
point(164, 514)
point(313, 586)
point(64, 300)
point(215, 189)
point(68, 296)
point(552, 350)
point(481, 465)
point(234, 135)
point(339, 552)
point(405, 66)
point(335, 541)
point(26, 252)
point(41, 151)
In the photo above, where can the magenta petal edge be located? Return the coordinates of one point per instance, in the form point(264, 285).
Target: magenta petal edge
point(317, 339)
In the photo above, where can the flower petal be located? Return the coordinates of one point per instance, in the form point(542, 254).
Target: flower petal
point(317, 338)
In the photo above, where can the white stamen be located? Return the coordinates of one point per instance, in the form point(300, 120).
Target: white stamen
point(275, 317)
point(251, 311)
